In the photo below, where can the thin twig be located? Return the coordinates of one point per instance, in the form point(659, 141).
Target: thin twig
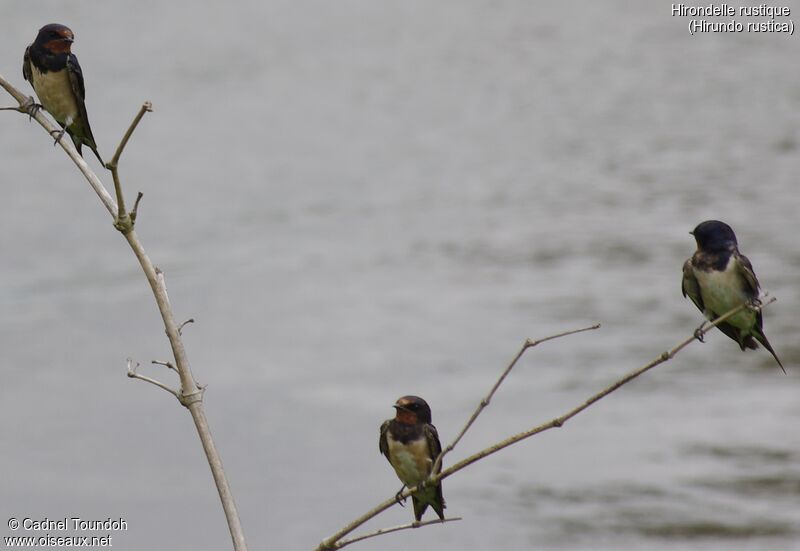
point(389, 530)
point(124, 221)
point(487, 400)
point(184, 324)
point(433, 479)
point(165, 364)
point(134, 375)
point(135, 209)
point(146, 107)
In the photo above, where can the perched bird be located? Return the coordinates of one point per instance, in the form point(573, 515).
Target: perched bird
point(718, 278)
point(54, 72)
point(411, 444)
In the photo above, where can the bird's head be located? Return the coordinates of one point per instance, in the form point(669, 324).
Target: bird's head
point(412, 410)
point(55, 38)
point(714, 236)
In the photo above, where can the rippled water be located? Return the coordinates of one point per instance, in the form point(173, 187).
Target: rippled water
point(360, 200)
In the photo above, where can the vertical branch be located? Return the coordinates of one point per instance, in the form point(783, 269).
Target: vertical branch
point(124, 221)
point(190, 394)
point(156, 280)
point(113, 164)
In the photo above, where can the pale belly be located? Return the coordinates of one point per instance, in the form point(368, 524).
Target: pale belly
point(412, 463)
point(723, 291)
point(51, 87)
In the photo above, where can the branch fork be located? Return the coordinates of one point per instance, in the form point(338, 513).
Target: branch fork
point(124, 221)
point(133, 374)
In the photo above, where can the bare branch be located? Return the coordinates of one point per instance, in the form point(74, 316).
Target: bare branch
point(146, 107)
point(190, 394)
point(330, 542)
point(124, 221)
point(559, 421)
point(161, 280)
point(134, 375)
point(487, 400)
point(389, 530)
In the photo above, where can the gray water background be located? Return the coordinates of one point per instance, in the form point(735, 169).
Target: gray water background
point(358, 200)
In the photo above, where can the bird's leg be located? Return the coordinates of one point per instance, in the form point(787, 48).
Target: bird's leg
point(754, 303)
point(398, 496)
point(698, 333)
point(58, 134)
point(31, 107)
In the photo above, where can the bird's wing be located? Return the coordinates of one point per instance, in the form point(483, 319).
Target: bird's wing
point(383, 445)
point(82, 133)
point(690, 287)
point(76, 80)
point(76, 77)
point(434, 446)
point(746, 270)
point(26, 65)
point(752, 289)
point(741, 337)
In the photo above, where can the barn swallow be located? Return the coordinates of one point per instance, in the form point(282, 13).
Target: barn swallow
point(718, 278)
point(411, 444)
point(55, 74)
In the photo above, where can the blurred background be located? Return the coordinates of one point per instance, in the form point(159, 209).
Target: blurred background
point(359, 200)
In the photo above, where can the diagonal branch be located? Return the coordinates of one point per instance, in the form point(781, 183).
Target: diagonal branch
point(332, 541)
point(559, 421)
point(38, 114)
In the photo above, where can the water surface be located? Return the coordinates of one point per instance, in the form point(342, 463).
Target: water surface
point(361, 200)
